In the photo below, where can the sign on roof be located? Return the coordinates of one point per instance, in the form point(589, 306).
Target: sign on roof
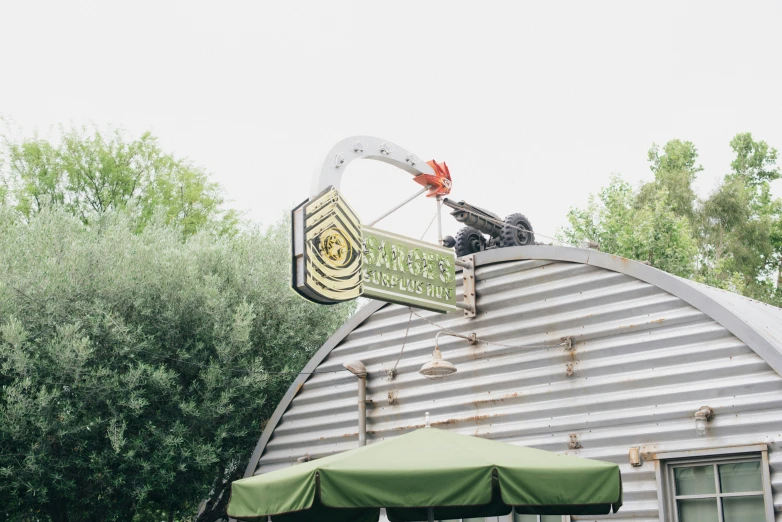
point(336, 259)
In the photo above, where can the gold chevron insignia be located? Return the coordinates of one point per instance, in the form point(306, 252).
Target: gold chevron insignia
point(327, 249)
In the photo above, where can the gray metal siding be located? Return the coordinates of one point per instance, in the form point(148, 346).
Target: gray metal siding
point(644, 362)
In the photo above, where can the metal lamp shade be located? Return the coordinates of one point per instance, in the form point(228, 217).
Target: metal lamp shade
point(437, 368)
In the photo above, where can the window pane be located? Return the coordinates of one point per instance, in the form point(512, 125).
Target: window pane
point(741, 476)
point(550, 518)
point(524, 518)
point(744, 509)
point(698, 510)
point(694, 480)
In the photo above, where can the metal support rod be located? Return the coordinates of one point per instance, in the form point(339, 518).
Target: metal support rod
point(439, 221)
point(362, 410)
point(463, 264)
point(472, 338)
point(397, 207)
point(431, 514)
point(358, 369)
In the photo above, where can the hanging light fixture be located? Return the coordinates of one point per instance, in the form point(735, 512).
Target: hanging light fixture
point(438, 367)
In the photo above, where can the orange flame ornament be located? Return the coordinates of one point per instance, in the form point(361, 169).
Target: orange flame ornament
point(439, 183)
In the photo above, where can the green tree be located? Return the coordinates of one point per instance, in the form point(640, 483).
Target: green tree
point(741, 243)
point(674, 171)
point(652, 232)
point(732, 239)
point(135, 366)
point(755, 161)
point(89, 172)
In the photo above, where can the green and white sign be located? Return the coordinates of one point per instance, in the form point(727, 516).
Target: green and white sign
point(405, 271)
point(336, 259)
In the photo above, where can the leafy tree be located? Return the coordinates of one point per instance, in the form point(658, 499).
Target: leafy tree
point(732, 239)
point(740, 224)
point(89, 172)
point(674, 171)
point(652, 233)
point(755, 161)
point(134, 366)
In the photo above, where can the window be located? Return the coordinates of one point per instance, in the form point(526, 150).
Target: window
point(515, 517)
point(729, 488)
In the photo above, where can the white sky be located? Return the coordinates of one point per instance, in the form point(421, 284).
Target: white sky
point(532, 105)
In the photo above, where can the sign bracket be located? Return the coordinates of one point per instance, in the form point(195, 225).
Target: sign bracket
point(468, 286)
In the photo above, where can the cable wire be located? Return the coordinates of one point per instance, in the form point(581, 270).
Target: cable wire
point(439, 207)
point(404, 341)
point(483, 341)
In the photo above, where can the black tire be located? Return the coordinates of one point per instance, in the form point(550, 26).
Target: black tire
point(469, 241)
point(510, 236)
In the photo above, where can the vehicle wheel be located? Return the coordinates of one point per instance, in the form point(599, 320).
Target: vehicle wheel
point(511, 236)
point(468, 241)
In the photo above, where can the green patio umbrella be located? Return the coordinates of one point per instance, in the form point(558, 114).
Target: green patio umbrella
point(430, 474)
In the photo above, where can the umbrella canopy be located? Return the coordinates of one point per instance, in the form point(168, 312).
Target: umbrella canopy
point(457, 475)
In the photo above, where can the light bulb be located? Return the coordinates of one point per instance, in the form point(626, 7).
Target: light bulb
point(703, 414)
point(700, 426)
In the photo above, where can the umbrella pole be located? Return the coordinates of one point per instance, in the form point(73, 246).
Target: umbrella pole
point(431, 514)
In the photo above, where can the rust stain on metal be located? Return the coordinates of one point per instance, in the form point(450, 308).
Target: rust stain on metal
point(648, 451)
point(475, 354)
point(495, 400)
point(344, 435)
point(653, 321)
point(475, 418)
point(448, 422)
point(393, 396)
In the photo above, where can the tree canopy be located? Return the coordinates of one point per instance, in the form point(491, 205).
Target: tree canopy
point(731, 239)
point(88, 172)
point(134, 366)
point(145, 333)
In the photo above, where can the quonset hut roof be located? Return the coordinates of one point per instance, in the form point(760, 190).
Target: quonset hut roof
point(650, 349)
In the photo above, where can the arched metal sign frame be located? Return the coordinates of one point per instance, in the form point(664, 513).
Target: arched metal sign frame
point(364, 147)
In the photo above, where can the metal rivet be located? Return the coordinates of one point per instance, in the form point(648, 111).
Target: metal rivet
point(386, 148)
point(339, 159)
point(359, 146)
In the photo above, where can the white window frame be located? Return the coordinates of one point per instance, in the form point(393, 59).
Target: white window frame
point(665, 463)
point(563, 518)
point(507, 518)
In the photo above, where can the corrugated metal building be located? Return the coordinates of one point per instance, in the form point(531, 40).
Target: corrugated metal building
point(650, 350)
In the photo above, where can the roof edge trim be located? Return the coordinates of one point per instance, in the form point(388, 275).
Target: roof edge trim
point(654, 276)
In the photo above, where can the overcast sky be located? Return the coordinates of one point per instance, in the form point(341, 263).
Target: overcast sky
point(532, 105)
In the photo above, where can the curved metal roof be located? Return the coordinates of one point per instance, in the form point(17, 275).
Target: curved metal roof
point(756, 324)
